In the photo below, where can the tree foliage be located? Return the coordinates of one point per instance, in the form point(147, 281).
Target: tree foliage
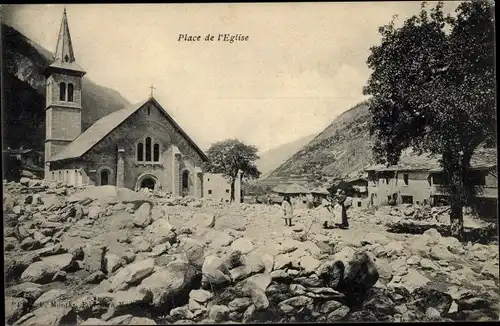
point(230, 156)
point(433, 89)
point(348, 189)
point(11, 168)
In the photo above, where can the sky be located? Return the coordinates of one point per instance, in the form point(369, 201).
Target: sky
point(302, 65)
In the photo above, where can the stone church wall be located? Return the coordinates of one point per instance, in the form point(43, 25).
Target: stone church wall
point(137, 127)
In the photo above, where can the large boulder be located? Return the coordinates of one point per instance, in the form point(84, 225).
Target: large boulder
point(43, 271)
point(50, 316)
point(440, 252)
point(132, 273)
point(204, 220)
point(243, 245)
point(434, 235)
point(425, 298)
point(490, 269)
point(374, 238)
point(215, 272)
point(361, 274)
point(282, 261)
point(95, 211)
point(142, 217)
point(28, 291)
point(93, 257)
point(50, 200)
point(193, 252)
point(332, 273)
point(126, 301)
point(160, 227)
point(168, 283)
point(221, 239)
point(109, 195)
point(257, 282)
point(420, 245)
point(308, 264)
point(200, 295)
point(218, 313)
point(14, 308)
point(16, 265)
point(410, 281)
point(49, 298)
point(294, 304)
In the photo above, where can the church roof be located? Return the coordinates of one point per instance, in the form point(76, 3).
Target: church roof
point(102, 127)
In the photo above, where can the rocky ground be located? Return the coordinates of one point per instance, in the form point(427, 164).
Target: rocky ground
point(107, 256)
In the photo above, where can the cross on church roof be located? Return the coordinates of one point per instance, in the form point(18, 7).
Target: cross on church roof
point(152, 88)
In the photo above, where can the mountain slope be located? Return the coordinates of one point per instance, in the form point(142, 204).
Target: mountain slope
point(343, 148)
point(23, 92)
point(272, 158)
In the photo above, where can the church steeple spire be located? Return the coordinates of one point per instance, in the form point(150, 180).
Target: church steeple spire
point(64, 48)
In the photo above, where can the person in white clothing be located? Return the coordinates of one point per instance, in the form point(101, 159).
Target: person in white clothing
point(287, 211)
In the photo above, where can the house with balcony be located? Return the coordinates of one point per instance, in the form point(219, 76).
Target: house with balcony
point(360, 197)
point(484, 176)
point(420, 179)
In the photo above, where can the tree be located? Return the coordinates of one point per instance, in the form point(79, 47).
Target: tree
point(346, 187)
point(11, 168)
point(433, 89)
point(230, 156)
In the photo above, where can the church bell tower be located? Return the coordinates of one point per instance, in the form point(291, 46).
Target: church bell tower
point(63, 109)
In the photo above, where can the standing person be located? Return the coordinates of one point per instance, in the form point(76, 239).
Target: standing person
point(341, 198)
point(287, 210)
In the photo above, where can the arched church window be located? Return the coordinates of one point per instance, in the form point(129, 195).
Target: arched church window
point(62, 92)
point(70, 92)
point(185, 180)
point(148, 149)
point(156, 153)
point(149, 110)
point(66, 58)
point(140, 152)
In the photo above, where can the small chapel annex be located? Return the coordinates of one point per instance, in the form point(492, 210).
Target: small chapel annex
point(135, 147)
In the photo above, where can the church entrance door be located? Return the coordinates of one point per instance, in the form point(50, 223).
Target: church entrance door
point(147, 180)
point(104, 177)
point(148, 183)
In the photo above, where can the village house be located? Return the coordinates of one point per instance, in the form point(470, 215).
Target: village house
point(217, 188)
point(22, 161)
point(318, 194)
point(483, 174)
point(419, 179)
point(403, 184)
point(140, 146)
point(360, 197)
point(27, 156)
point(300, 196)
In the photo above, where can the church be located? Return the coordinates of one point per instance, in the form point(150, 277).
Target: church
point(140, 146)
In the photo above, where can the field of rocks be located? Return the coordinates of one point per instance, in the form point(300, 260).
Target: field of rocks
point(111, 256)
